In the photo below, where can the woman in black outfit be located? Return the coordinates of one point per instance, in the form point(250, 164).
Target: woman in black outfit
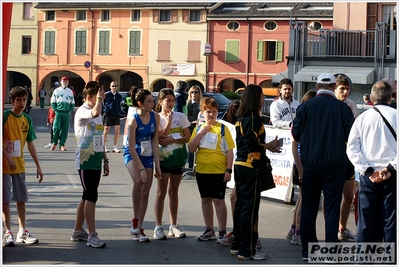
point(250, 142)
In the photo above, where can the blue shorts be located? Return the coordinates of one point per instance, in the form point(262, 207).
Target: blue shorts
point(148, 162)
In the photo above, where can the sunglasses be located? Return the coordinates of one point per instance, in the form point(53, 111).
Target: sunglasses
point(114, 86)
point(194, 92)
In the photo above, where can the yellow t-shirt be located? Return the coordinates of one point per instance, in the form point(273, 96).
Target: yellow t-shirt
point(211, 155)
point(17, 130)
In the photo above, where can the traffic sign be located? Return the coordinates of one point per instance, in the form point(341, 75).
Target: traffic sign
point(87, 64)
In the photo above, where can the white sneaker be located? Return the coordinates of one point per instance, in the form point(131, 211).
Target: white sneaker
point(142, 237)
point(95, 242)
point(9, 240)
point(48, 146)
point(115, 150)
point(159, 234)
point(26, 237)
point(176, 232)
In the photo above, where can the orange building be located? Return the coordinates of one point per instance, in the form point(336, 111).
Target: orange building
point(89, 43)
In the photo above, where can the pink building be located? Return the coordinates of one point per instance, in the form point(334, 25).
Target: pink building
point(250, 41)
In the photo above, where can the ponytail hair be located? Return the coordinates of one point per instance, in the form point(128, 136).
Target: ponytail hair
point(139, 95)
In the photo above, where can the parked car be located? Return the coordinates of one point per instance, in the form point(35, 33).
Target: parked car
point(223, 102)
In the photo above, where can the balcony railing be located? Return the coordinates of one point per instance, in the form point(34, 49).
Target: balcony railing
point(322, 43)
point(376, 44)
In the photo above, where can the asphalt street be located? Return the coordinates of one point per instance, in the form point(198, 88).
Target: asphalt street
point(52, 206)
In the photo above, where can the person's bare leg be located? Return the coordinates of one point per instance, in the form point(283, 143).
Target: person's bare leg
point(207, 211)
point(90, 215)
point(117, 129)
point(106, 131)
point(160, 198)
point(80, 216)
point(346, 204)
point(221, 213)
point(173, 192)
point(6, 215)
point(21, 209)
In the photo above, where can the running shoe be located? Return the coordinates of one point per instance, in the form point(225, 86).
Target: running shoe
point(81, 235)
point(142, 237)
point(48, 146)
point(159, 234)
point(115, 150)
point(9, 239)
point(290, 234)
point(26, 237)
point(225, 239)
point(296, 240)
point(135, 230)
point(207, 235)
point(53, 147)
point(258, 256)
point(346, 235)
point(95, 242)
point(176, 232)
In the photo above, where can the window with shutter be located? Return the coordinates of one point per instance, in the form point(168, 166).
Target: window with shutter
point(194, 50)
point(163, 50)
point(232, 50)
point(134, 42)
point(103, 43)
point(49, 42)
point(269, 51)
point(80, 42)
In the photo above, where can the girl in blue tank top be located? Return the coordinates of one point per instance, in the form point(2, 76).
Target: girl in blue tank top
point(140, 154)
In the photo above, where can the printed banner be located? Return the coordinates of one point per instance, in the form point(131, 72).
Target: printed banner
point(174, 69)
point(281, 163)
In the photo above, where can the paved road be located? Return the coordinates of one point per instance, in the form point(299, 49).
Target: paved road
point(51, 215)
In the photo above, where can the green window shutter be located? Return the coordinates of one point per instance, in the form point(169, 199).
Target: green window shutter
point(80, 45)
point(232, 50)
point(134, 44)
point(103, 45)
point(49, 42)
point(259, 51)
point(279, 51)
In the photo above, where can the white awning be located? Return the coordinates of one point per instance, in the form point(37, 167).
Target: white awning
point(279, 76)
point(357, 75)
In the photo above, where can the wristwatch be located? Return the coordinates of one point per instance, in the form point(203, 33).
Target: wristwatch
point(229, 170)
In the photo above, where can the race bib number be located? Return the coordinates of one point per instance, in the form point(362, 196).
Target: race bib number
point(98, 143)
point(146, 148)
point(13, 148)
point(209, 141)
